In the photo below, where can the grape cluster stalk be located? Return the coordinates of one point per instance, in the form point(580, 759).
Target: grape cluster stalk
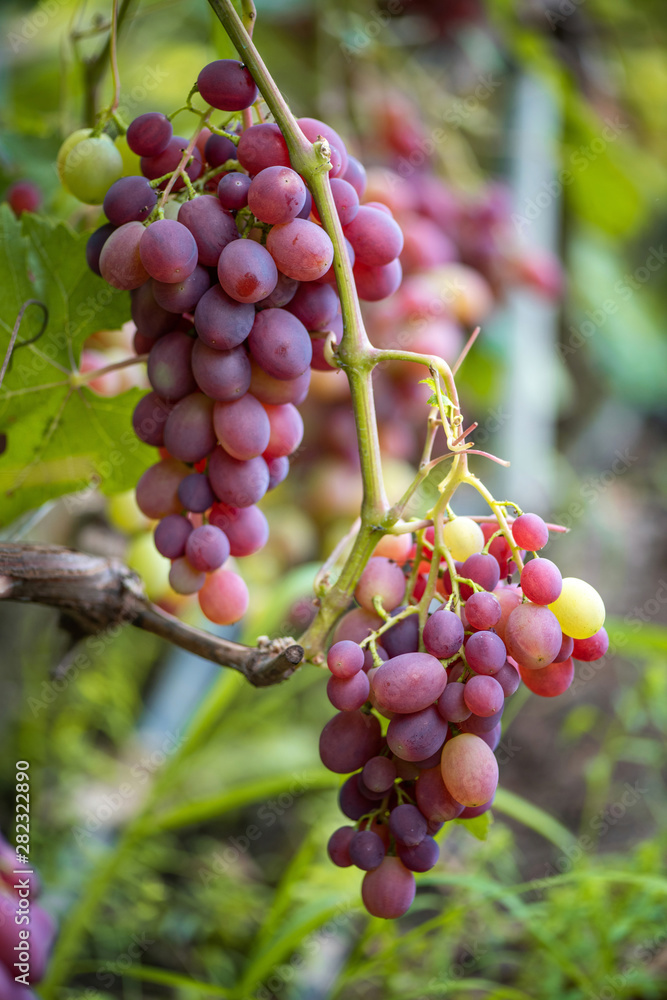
point(247, 249)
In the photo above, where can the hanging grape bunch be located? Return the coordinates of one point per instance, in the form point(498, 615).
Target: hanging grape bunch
point(234, 297)
point(420, 687)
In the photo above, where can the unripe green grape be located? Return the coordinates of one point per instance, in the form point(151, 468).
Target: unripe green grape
point(579, 608)
point(68, 145)
point(463, 537)
point(125, 515)
point(90, 167)
point(144, 559)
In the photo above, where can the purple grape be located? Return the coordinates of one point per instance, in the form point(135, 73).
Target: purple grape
point(315, 305)
point(351, 800)
point(222, 322)
point(151, 320)
point(403, 637)
point(483, 695)
point(409, 683)
point(168, 160)
point(417, 736)
point(280, 344)
point(485, 652)
point(408, 825)
point(242, 427)
point(233, 190)
point(188, 433)
point(212, 227)
point(276, 195)
point(149, 134)
point(236, 483)
point(355, 174)
point(168, 250)
point(481, 568)
point(566, 649)
point(184, 579)
point(451, 704)
point(366, 850)
point(169, 366)
point(207, 548)
point(275, 391)
point(348, 694)
point(420, 858)
point(345, 659)
point(483, 610)
point(349, 740)
point(182, 296)
point(262, 146)
point(95, 244)
point(171, 534)
point(281, 295)
point(307, 206)
point(278, 470)
point(443, 634)
point(218, 150)
point(433, 798)
point(246, 527)
point(129, 199)
point(222, 375)
point(247, 271)
point(195, 493)
point(379, 774)
point(376, 283)
point(338, 847)
point(120, 258)
point(471, 811)
point(227, 85)
point(508, 678)
point(149, 418)
point(480, 724)
point(389, 890)
point(157, 489)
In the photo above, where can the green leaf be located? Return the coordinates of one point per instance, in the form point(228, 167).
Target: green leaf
point(532, 816)
point(60, 438)
point(479, 826)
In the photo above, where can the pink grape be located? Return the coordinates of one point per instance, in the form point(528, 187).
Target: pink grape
point(207, 548)
point(549, 681)
point(278, 470)
point(222, 375)
point(469, 769)
point(227, 85)
point(409, 683)
point(481, 568)
point(355, 625)
point(338, 847)
point(276, 195)
point(443, 634)
point(379, 774)
point(382, 578)
point(246, 528)
point(184, 578)
point(171, 534)
point(533, 636)
point(212, 227)
point(483, 695)
point(242, 427)
point(451, 704)
point(312, 128)
point(349, 740)
point(280, 344)
point(168, 250)
point(389, 890)
point(433, 798)
point(566, 648)
point(301, 249)
point(247, 271)
point(530, 532)
point(375, 237)
point(541, 581)
point(483, 610)
point(315, 305)
point(345, 199)
point(276, 392)
point(189, 433)
point(592, 648)
point(485, 652)
point(509, 598)
point(348, 694)
point(345, 659)
point(157, 489)
point(417, 736)
point(262, 146)
point(508, 678)
point(224, 598)
point(481, 724)
point(281, 295)
point(355, 174)
point(286, 430)
point(238, 484)
point(120, 260)
point(376, 283)
point(149, 417)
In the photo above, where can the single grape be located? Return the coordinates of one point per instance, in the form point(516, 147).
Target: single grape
point(281, 295)
point(227, 85)
point(242, 427)
point(551, 680)
point(349, 740)
point(149, 134)
point(463, 537)
point(452, 705)
point(168, 160)
point(149, 417)
point(366, 850)
point(301, 249)
point(95, 244)
point(238, 484)
point(433, 798)
point(224, 598)
point(355, 626)
point(541, 581)
point(184, 579)
point(90, 167)
point(195, 493)
point(23, 196)
point(355, 174)
point(403, 637)
point(443, 634)
point(376, 238)
point(352, 801)
point(189, 433)
point(152, 320)
point(508, 678)
point(168, 250)
point(483, 610)
point(157, 489)
point(222, 375)
point(276, 195)
point(376, 283)
point(483, 695)
point(420, 858)
point(345, 199)
point(509, 598)
point(286, 431)
point(396, 547)
point(120, 258)
point(212, 227)
point(485, 652)
point(221, 321)
point(407, 825)
point(182, 296)
point(379, 774)
point(566, 649)
point(389, 890)
point(233, 190)
point(469, 769)
point(217, 150)
point(530, 532)
point(338, 847)
point(533, 636)
point(409, 683)
point(280, 344)
point(329, 277)
point(247, 271)
point(483, 569)
point(207, 548)
point(345, 659)
point(129, 199)
point(171, 534)
point(471, 811)
point(262, 146)
point(380, 578)
point(592, 648)
point(246, 528)
point(350, 693)
point(417, 736)
point(169, 366)
point(278, 470)
point(315, 305)
point(274, 391)
point(579, 609)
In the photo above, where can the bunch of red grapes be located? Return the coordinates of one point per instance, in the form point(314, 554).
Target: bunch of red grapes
point(420, 714)
point(233, 295)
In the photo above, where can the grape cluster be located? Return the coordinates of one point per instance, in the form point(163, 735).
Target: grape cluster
point(419, 715)
point(233, 296)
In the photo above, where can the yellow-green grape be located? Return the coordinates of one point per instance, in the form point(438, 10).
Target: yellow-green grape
point(90, 168)
point(125, 515)
point(579, 609)
point(463, 537)
point(144, 559)
point(131, 162)
point(171, 208)
point(68, 145)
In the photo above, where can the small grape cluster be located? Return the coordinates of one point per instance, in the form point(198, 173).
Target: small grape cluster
point(233, 296)
point(420, 713)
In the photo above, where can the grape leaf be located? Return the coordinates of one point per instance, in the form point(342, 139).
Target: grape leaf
point(61, 438)
point(478, 825)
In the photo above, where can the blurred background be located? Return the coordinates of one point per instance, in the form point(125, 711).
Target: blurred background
point(179, 817)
